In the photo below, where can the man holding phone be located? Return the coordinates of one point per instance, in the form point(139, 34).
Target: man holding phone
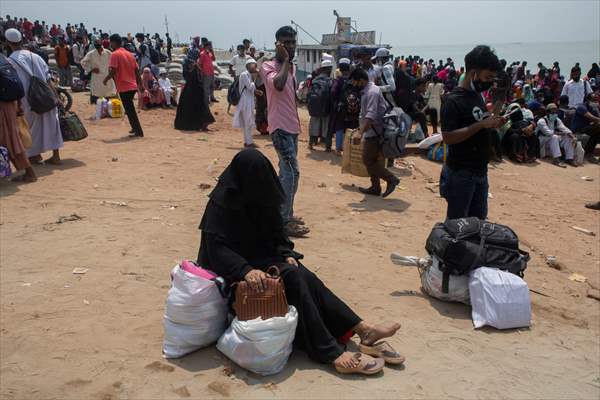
point(284, 123)
point(467, 128)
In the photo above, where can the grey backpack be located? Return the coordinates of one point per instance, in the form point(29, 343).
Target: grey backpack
point(396, 126)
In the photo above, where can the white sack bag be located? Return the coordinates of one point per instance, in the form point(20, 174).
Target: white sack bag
point(260, 346)
point(432, 280)
point(429, 141)
point(499, 299)
point(579, 154)
point(195, 314)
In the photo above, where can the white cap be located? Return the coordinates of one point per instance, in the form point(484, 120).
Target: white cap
point(382, 52)
point(326, 63)
point(326, 56)
point(252, 46)
point(250, 61)
point(309, 76)
point(344, 61)
point(162, 71)
point(13, 35)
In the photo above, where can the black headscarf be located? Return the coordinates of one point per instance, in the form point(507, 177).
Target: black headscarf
point(249, 182)
point(242, 227)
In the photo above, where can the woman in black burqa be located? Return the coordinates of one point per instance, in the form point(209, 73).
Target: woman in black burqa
point(193, 114)
point(243, 235)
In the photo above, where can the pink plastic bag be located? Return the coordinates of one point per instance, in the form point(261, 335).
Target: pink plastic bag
point(192, 268)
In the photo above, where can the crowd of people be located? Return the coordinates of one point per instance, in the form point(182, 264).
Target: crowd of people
point(484, 109)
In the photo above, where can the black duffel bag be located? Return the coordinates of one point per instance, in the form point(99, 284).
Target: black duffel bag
point(467, 243)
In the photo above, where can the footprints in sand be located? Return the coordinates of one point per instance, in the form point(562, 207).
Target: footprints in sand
point(158, 366)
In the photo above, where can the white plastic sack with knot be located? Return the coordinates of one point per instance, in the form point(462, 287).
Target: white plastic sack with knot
point(499, 299)
point(195, 314)
point(260, 346)
point(432, 278)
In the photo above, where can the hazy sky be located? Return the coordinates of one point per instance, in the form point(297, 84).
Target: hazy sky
point(401, 22)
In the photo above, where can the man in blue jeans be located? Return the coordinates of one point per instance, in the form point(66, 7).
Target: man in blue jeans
point(467, 128)
point(284, 123)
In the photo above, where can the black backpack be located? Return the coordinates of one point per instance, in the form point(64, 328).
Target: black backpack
point(154, 55)
point(319, 97)
point(40, 95)
point(233, 93)
point(467, 243)
point(11, 87)
point(349, 103)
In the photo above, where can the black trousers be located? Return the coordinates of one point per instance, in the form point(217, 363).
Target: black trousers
point(593, 132)
point(322, 316)
point(127, 99)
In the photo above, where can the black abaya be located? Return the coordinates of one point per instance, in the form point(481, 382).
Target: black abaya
point(192, 111)
point(242, 230)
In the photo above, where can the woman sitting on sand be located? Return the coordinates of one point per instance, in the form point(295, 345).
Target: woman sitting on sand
point(152, 94)
point(243, 235)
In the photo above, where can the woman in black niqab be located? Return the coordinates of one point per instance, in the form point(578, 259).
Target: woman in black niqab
point(243, 235)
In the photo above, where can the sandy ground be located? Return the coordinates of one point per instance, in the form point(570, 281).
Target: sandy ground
point(99, 335)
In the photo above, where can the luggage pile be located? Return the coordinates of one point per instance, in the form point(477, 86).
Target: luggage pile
point(479, 263)
point(196, 316)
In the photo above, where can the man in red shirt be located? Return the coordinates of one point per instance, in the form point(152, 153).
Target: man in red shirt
point(205, 62)
point(123, 69)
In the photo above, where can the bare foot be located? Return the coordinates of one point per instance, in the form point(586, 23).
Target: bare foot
point(346, 360)
point(370, 334)
point(25, 178)
point(36, 159)
point(54, 161)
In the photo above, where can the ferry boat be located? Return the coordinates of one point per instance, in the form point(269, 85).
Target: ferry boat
point(342, 43)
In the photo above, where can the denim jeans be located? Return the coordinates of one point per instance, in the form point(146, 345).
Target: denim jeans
point(286, 145)
point(339, 139)
point(465, 192)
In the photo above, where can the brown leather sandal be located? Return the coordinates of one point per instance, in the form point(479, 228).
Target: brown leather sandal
point(383, 350)
point(367, 365)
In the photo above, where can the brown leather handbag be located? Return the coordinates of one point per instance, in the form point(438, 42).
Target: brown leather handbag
point(250, 304)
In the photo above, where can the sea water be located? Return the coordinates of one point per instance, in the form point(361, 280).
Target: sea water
point(566, 53)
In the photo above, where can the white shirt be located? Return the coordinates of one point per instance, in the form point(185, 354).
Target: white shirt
point(576, 91)
point(239, 64)
point(78, 52)
point(165, 83)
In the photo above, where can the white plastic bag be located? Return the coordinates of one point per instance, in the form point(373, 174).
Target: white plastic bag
point(432, 278)
point(195, 314)
point(260, 346)
point(99, 108)
point(458, 285)
point(430, 141)
point(499, 299)
point(579, 154)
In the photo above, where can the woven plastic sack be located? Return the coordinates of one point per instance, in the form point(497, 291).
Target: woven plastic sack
point(195, 314)
point(260, 346)
point(432, 278)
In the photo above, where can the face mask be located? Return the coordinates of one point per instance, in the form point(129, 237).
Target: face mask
point(552, 118)
point(480, 86)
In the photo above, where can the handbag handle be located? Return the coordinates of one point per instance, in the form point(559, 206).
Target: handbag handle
point(273, 275)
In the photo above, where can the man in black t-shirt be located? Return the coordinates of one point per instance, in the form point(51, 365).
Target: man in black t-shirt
point(467, 128)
